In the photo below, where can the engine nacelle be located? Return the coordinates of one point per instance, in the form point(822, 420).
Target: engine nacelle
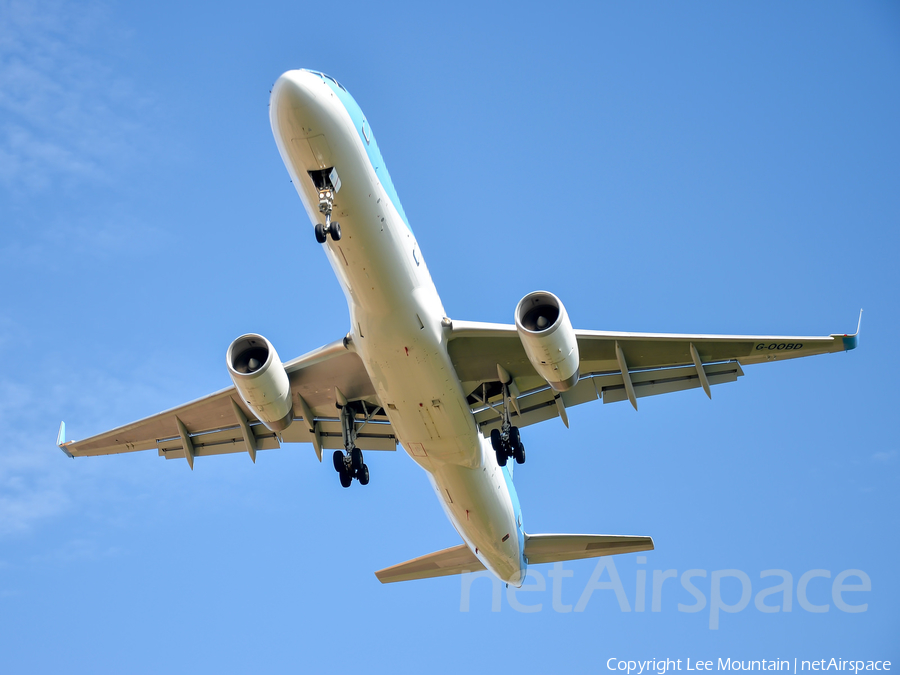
point(548, 338)
point(259, 377)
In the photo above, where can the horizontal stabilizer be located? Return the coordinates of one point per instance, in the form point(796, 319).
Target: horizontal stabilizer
point(545, 548)
point(456, 560)
point(539, 548)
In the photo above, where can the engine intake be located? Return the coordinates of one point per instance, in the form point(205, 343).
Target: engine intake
point(260, 379)
point(548, 338)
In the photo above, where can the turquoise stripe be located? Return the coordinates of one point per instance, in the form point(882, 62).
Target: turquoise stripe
point(371, 146)
point(517, 510)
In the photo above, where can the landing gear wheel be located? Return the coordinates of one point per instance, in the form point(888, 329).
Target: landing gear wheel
point(519, 453)
point(514, 439)
point(501, 457)
point(356, 460)
point(496, 440)
point(338, 461)
point(346, 478)
point(321, 234)
point(363, 475)
point(334, 229)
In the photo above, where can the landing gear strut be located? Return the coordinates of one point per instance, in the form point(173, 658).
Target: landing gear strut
point(349, 463)
point(506, 441)
point(326, 204)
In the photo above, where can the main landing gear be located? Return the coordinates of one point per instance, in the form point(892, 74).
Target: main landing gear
point(506, 441)
point(326, 204)
point(351, 466)
point(511, 446)
point(349, 463)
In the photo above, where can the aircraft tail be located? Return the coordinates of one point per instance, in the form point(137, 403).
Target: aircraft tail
point(545, 548)
point(539, 548)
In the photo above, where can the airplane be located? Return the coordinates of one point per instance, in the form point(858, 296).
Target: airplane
point(454, 394)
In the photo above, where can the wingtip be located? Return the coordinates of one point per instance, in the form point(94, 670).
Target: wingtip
point(61, 440)
point(852, 341)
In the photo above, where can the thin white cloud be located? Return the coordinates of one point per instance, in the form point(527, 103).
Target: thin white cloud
point(885, 456)
point(68, 120)
point(30, 490)
point(24, 503)
point(37, 482)
point(77, 549)
point(65, 114)
point(76, 236)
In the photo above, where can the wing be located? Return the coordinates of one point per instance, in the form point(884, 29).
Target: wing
point(614, 366)
point(223, 423)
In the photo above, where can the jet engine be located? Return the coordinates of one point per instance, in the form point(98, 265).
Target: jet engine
point(260, 379)
point(549, 340)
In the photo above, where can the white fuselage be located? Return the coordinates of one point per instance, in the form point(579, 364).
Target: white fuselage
point(396, 314)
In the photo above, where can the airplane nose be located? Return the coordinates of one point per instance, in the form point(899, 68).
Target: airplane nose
point(292, 105)
point(294, 89)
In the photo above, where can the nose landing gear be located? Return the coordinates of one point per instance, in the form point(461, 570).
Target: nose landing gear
point(327, 183)
point(326, 204)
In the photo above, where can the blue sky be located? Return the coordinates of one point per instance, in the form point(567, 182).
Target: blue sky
point(689, 167)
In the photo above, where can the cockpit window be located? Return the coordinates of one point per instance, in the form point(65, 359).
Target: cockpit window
point(323, 76)
point(335, 81)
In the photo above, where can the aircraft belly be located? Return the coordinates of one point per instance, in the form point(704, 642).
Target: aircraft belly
point(396, 322)
point(395, 310)
point(417, 384)
point(478, 503)
point(313, 131)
